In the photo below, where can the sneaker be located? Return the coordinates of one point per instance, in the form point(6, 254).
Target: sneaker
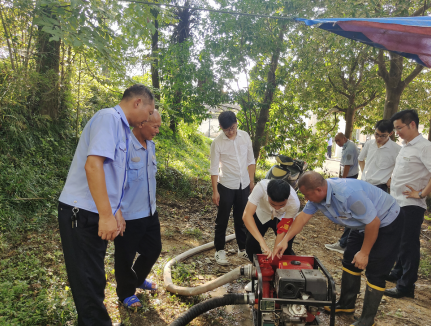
point(247, 288)
point(335, 247)
point(242, 254)
point(220, 257)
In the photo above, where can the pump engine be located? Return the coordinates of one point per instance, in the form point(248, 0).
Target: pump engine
point(289, 291)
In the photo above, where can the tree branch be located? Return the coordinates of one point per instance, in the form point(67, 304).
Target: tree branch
point(336, 89)
point(360, 106)
point(6, 34)
point(421, 10)
point(413, 75)
point(383, 72)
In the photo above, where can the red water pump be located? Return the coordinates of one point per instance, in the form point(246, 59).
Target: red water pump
point(289, 291)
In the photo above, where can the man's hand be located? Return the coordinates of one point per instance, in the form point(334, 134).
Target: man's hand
point(121, 223)
point(216, 198)
point(411, 194)
point(360, 260)
point(265, 250)
point(107, 227)
point(279, 249)
point(251, 186)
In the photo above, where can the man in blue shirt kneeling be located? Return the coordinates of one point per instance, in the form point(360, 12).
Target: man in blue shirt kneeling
point(375, 220)
point(142, 234)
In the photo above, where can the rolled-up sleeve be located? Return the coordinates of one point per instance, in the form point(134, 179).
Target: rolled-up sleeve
point(348, 156)
point(250, 154)
point(364, 152)
point(310, 208)
point(426, 157)
point(103, 141)
point(215, 159)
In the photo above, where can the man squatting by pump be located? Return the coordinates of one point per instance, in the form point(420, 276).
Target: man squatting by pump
point(376, 224)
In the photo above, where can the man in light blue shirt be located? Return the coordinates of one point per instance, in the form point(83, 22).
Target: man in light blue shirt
point(138, 208)
point(349, 156)
point(92, 196)
point(375, 221)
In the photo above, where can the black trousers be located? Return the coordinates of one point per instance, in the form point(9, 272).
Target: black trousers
point(252, 246)
point(383, 186)
point(84, 253)
point(141, 236)
point(236, 198)
point(382, 255)
point(406, 268)
point(329, 151)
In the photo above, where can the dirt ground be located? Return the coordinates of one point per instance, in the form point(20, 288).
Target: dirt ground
point(187, 224)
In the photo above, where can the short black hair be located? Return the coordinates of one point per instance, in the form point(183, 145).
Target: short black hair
point(278, 190)
point(385, 126)
point(138, 90)
point(227, 119)
point(406, 117)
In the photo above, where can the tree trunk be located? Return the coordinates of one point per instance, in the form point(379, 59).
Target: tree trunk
point(429, 132)
point(155, 57)
point(48, 65)
point(394, 85)
point(259, 138)
point(349, 116)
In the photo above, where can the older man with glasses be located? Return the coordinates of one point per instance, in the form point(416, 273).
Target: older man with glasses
point(232, 176)
point(410, 185)
point(377, 158)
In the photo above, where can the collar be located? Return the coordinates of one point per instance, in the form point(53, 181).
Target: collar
point(385, 144)
point(122, 115)
point(345, 144)
point(413, 141)
point(238, 134)
point(136, 142)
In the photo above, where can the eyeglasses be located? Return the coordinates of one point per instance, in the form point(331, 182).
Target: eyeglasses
point(381, 136)
point(233, 128)
point(399, 129)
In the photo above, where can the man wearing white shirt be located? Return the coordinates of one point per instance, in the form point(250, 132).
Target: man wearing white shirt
point(380, 154)
point(272, 204)
point(410, 185)
point(232, 177)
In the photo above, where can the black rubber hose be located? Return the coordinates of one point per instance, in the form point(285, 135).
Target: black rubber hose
point(207, 305)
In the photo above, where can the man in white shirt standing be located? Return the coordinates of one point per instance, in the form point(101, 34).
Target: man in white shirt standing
point(410, 185)
point(380, 154)
point(232, 177)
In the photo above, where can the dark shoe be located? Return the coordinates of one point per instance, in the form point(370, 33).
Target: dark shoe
point(350, 286)
point(395, 293)
point(371, 304)
point(391, 278)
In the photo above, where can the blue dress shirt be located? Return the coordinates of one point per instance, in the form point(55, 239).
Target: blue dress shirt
point(355, 203)
point(140, 194)
point(349, 156)
point(107, 134)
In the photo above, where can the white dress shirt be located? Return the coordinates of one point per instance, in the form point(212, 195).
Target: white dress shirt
point(412, 168)
point(349, 156)
point(265, 211)
point(379, 161)
point(232, 157)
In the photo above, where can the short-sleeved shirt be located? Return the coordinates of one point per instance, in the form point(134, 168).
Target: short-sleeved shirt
point(330, 141)
point(140, 193)
point(349, 156)
point(264, 211)
point(379, 161)
point(107, 134)
point(355, 203)
point(232, 157)
point(412, 168)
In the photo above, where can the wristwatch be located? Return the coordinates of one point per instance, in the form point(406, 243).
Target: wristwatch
point(420, 195)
